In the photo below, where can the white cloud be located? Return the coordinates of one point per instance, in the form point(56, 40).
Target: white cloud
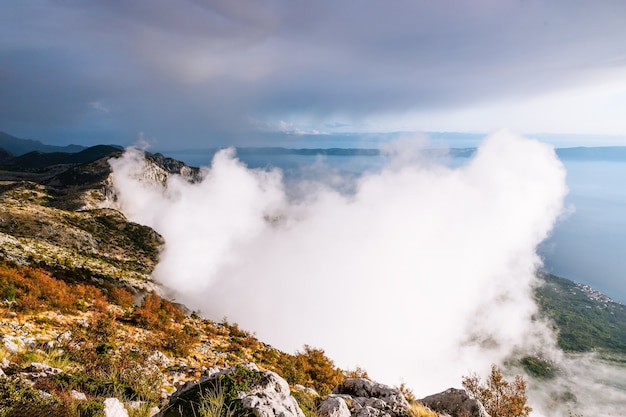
point(423, 273)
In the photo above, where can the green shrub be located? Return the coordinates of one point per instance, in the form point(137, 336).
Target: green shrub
point(217, 397)
point(538, 367)
point(308, 402)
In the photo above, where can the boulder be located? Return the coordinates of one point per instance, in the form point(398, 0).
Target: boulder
point(271, 397)
point(77, 395)
point(114, 408)
point(456, 403)
point(334, 407)
point(364, 398)
point(241, 387)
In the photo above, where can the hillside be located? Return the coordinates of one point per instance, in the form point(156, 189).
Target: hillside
point(81, 314)
point(80, 311)
point(584, 318)
point(18, 146)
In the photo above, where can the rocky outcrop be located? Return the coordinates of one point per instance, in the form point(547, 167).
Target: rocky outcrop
point(241, 388)
point(271, 397)
point(456, 403)
point(334, 407)
point(359, 397)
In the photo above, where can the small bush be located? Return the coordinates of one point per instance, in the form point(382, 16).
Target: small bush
point(500, 397)
point(19, 399)
point(311, 368)
point(121, 297)
point(125, 377)
point(358, 372)
point(407, 392)
point(180, 341)
point(156, 313)
point(149, 314)
point(308, 402)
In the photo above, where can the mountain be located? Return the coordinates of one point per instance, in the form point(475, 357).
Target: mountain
point(37, 161)
point(585, 319)
point(81, 315)
point(19, 146)
point(5, 155)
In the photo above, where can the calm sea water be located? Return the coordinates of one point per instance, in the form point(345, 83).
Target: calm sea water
point(588, 245)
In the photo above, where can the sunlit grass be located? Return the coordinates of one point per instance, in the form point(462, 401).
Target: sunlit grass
point(418, 410)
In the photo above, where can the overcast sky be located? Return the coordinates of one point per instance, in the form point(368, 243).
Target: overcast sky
point(201, 73)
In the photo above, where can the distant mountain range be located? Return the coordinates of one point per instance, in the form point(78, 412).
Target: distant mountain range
point(17, 146)
point(581, 153)
point(11, 146)
point(85, 271)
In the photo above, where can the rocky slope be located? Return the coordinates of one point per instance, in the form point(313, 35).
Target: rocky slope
point(84, 330)
point(80, 313)
point(81, 320)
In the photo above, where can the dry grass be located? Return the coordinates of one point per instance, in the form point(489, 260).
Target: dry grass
point(418, 410)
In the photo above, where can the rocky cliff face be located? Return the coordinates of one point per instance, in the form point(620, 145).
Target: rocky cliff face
point(51, 216)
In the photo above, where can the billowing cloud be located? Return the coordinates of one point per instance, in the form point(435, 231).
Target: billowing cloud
point(418, 272)
point(421, 272)
point(207, 72)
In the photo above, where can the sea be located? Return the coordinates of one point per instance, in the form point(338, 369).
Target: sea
point(588, 244)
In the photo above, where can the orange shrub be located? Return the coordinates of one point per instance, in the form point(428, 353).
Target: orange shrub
point(156, 313)
point(34, 289)
point(121, 297)
point(500, 397)
point(148, 315)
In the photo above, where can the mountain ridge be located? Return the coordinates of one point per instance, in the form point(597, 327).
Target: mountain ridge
point(18, 146)
point(57, 239)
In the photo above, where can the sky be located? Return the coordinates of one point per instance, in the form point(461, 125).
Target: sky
point(195, 73)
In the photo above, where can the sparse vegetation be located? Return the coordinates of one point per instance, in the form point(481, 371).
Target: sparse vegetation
point(418, 410)
point(76, 286)
point(308, 402)
point(407, 392)
point(500, 397)
point(104, 342)
point(311, 368)
point(213, 403)
point(33, 289)
point(217, 397)
point(20, 399)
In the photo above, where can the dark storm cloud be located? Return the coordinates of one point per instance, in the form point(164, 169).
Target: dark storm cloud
point(206, 69)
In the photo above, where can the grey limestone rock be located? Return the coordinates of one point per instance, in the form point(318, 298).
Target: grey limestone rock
point(365, 398)
point(267, 396)
point(334, 407)
point(456, 403)
point(114, 408)
point(271, 397)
